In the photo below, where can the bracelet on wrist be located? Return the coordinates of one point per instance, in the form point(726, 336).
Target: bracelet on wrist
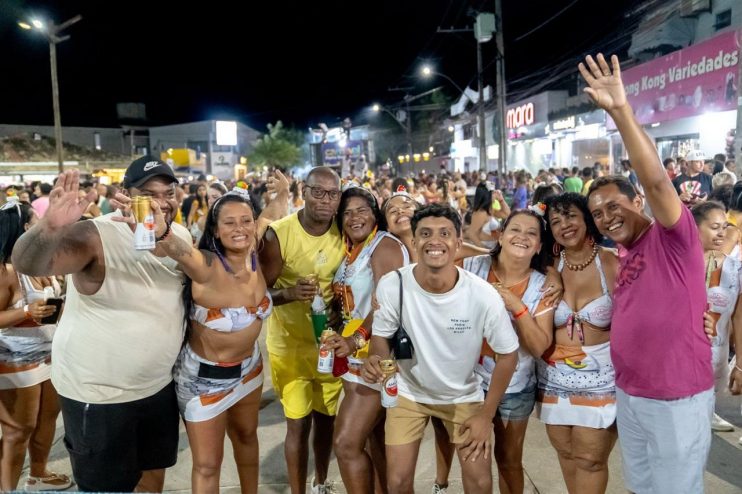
point(27, 311)
point(164, 235)
point(520, 313)
point(363, 331)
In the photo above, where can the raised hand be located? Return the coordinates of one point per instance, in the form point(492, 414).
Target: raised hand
point(277, 183)
point(65, 204)
point(605, 85)
point(123, 204)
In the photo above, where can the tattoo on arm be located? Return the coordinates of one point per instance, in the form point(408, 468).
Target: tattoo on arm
point(41, 252)
point(177, 248)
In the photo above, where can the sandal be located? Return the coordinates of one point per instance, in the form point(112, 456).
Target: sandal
point(52, 482)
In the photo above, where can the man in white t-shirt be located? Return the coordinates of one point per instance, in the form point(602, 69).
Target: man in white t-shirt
point(446, 312)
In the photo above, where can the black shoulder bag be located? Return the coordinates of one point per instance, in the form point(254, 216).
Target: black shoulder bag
point(401, 343)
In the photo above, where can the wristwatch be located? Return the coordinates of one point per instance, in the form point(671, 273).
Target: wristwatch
point(359, 340)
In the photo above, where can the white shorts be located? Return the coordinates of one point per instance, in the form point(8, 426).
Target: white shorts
point(664, 443)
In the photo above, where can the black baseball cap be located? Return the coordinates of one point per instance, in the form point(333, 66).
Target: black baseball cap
point(144, 168)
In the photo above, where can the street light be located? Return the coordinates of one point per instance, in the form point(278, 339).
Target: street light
point(427, 71)
point(399, 118)
point(52, 32)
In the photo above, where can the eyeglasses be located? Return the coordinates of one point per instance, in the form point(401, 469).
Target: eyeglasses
point(320, 193)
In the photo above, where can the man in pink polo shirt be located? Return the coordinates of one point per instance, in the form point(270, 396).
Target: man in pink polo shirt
point(664, 379)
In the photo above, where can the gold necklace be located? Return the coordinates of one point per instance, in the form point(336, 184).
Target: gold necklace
point(582, 265)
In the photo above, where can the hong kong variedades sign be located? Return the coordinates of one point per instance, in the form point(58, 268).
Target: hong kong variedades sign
point(692, 81)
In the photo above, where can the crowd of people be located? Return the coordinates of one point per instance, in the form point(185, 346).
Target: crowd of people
point(493, 306)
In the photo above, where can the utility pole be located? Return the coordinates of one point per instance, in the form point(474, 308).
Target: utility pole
point(501, 106)
point(408, 126)
point(53, 34)
point(480, 111)
point(55, 105)
point(408, 117)
point(483, 28)
point(408, 98)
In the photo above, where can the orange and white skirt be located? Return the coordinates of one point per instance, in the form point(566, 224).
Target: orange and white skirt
point(205, 389)
point(577, 386)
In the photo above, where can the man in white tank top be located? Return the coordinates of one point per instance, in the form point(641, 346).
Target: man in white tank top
point(119, 335)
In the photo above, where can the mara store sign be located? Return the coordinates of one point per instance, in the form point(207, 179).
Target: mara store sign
point(691, 81)
point(520, 116)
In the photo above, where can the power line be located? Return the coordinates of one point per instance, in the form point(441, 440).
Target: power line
point(546, 21)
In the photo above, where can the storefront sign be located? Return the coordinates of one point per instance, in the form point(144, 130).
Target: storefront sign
point(575, 122)
point(520, 116)
point(527, 119)
point(564, 124)
point(691, 81)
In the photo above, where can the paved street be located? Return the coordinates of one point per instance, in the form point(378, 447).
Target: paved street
point(723, 476)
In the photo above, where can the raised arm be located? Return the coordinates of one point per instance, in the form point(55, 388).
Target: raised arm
point(477, 221)
point(470, 250)
point(504, 211)
point(59, 243)
point(196, 264)
point(279, 206)
point(607, 91)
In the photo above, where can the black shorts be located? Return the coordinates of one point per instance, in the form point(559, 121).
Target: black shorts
point(110, 445)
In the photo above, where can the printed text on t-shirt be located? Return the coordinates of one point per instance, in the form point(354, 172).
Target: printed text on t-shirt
point(459, 326)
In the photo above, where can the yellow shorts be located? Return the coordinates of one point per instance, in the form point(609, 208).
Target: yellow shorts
point(301, 388)
point(406, 422)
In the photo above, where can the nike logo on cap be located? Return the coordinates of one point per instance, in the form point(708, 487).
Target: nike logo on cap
point(150, 165)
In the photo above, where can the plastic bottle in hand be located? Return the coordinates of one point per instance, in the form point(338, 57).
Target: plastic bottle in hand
point(319, 315)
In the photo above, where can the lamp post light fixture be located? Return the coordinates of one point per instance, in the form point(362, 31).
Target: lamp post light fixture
point(427, 71)
point(52, 32)
point(399, 118)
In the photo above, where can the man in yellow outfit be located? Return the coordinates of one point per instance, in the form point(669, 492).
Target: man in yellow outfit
point(304, 243)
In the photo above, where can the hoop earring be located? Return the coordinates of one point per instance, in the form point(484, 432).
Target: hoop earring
point(591, 240)
point(556, 248)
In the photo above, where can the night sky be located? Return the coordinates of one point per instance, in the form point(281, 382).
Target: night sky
point(299, 61)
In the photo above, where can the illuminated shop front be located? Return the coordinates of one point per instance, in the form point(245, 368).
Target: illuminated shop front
point(580, 140)
point(529, 146)
point(686, 100)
